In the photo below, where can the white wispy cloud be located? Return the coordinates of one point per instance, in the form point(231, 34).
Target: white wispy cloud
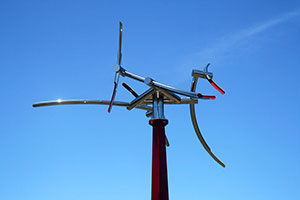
point(225, 44)
point(231, 44)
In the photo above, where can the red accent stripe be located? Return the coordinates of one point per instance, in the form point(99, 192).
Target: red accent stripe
point(206, 96)
point(216, 86)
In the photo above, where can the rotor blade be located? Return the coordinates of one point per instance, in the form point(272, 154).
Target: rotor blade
point(120, 44)
point(112, 97)
point(116, 81)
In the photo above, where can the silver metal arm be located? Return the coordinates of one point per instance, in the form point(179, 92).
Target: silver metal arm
point(154, 84)
point(128, 74)
point(140, 98)
point(196, 127)
point(158, 85)
point(89, 102)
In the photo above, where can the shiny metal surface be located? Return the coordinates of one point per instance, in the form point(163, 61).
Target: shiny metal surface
point(132, 75)
point(158, 106)
point(117, 74)
point(196, 127)
point(155, 84)
point(201, 74)
point(140, 98)
point(171, 96)
point(149, 113)
point(88, 102)
point(171, 102)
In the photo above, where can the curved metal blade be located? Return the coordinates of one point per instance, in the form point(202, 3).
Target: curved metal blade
point(196, 127)
point(204, 144)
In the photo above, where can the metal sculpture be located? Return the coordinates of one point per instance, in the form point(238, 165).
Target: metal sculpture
point(157, 95)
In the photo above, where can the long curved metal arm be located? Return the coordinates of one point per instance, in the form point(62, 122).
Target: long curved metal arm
point(90, 102)
point(196, 127)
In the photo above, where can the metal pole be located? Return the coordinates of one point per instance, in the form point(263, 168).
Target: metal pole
point(159, 190)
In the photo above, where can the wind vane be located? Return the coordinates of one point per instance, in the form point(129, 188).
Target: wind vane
point(153, 101)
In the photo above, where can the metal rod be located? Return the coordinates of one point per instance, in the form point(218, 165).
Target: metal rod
point(89, 102)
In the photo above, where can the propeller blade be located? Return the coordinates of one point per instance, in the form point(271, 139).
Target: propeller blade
point(116, 81)
point(112, 98)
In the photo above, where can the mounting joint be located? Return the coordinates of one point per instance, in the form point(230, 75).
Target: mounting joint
point(148, 81)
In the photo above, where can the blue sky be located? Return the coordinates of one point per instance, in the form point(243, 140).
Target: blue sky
point(66, 49)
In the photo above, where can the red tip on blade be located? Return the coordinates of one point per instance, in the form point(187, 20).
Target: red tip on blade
point(206, 97)
point(216, 86)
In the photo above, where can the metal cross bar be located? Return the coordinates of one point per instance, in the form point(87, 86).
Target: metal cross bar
point(140, 99)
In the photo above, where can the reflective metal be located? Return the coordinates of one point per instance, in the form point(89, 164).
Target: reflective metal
point(140, 98)
point(155, 84)
point(170, 95)
point(89, 102)
point(149, 113)
point(158, 106)
point(201, 74)
point(117, 74)
point(196, 127)
point(171, 102)
point(132, 75)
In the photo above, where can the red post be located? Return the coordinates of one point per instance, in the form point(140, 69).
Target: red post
point(159, 161)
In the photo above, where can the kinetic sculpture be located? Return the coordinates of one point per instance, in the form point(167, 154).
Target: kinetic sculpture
point(157, 95)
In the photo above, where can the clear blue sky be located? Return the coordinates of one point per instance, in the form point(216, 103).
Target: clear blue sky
point(66, 49)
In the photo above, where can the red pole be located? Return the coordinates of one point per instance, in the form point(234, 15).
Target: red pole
point(159, 161)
